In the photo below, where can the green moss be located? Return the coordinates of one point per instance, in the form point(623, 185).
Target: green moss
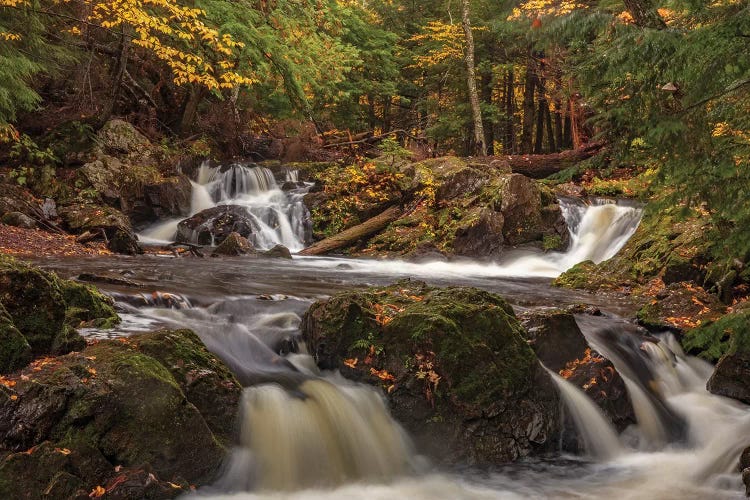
point(44, 308)
point(728, 335)
point(86, 304)
point(15, 351)
point(552, 242)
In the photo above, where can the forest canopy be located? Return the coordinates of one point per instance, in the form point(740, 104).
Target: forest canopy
point(665, 84)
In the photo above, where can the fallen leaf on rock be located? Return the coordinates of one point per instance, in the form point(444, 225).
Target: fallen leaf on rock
point(64, 451)
point(97, 492)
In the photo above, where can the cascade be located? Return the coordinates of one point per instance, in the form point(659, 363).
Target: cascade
point(277, 217)
point(599, 436)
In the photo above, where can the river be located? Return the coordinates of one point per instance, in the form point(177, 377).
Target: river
point(328, 438)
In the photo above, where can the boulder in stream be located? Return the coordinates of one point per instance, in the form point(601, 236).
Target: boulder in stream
point(213, 225)
point(559, 343)
point(452, 362)
point(45, 309)
point(128, 416)
point(278, 252)
point(731, 378)
point(234, 245)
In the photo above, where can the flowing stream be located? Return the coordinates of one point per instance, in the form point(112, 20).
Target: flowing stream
point(311, 435)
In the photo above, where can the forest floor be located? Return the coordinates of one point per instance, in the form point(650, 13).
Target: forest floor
point(35, 242)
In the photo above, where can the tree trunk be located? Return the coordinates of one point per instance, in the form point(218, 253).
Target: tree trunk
point(541, 166)
point(559, 140)
point(543, 108)
point(191, 109)
point(644, 14)
point(551, 144)
point(472, 81)
point(353, 234)
point(527, 131)
point(117, 76)
point(489, 130)
point(509, 144)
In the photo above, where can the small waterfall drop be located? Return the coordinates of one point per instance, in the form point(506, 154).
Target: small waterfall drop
point(277, 217)
point(598, 434)
point(320, 435)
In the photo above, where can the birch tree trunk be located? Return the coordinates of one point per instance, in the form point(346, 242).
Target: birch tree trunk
point(472, 81)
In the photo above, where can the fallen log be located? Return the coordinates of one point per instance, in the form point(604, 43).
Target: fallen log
point(351, 235)
point(541, 166)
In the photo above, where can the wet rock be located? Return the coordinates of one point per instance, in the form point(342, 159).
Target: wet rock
point(109, 279)
point(17, 219)
point(678, 306)
point(745, 469)
point(555, 337)
point(44, 308)
point(278, 252)
point(170, 197)
point(561, 346)
point(426, 252)
point(15, 351)
point(453, 364)
point(137, 412)
point(481, 237)
point(731, 378)
point(81, 218)
point(213, 225)
point(234, 245)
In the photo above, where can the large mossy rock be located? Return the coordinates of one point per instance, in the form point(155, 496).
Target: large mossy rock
point(476, 212)
point(213, 225)
point(727, 339)
point(45, 309)
point(453, 363)
point(159, 402)
point(125, 171)
point(86, 217)
point(714, 339)
point(680, 305)
point(15, 351)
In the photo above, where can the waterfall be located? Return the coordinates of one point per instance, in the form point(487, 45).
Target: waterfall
point(322, 434)
point(598, 434)
point(277, 217)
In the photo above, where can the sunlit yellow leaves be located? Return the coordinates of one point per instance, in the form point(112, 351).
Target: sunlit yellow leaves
point(448, 40)
point(536, 8)
point(178, 36)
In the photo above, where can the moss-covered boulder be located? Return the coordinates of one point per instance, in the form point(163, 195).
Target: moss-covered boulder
point(458, 206)
point(453, 363)
point(15, 351)
point(119, 406)
point(731, 378)
point(714, 339)
point(679, 306)
point(95, 219)
point(45, 309)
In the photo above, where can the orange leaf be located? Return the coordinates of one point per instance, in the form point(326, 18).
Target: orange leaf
point(64, 451)
point(351, 363)
point(97, 492)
